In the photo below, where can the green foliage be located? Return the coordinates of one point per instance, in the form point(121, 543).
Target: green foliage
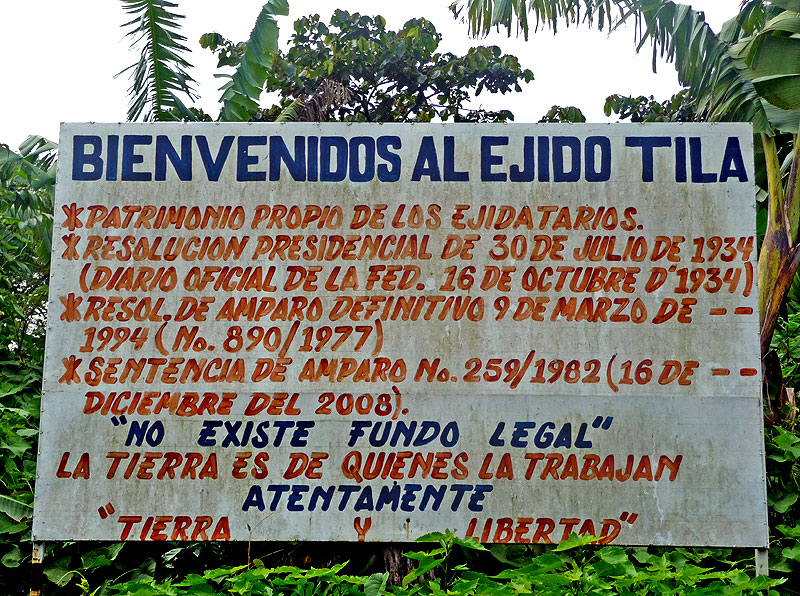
point(228, 53)
point(782, 444)
point(563, 114)
point(440, 558)
point(786, 343)
point(577, 567)
point(783, 486)
point(749, 72)
point(393, 76)
point(160, 75)
point(519, 15)
point(716, 77)
point(241, 93)
point(571, 568)
point(258, 579)
point(679, 108)
point(27, 180)
point(316, 108)
point(773, 56)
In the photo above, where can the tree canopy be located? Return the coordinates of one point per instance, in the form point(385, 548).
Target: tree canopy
point(391, 76)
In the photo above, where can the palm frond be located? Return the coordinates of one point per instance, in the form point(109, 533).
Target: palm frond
point(717, 76)
point(518, 15)
point(719, 79)
point(160, 76)
point(241, 93)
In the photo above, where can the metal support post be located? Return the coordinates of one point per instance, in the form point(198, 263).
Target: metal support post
point(37, 568)
point(762, 561)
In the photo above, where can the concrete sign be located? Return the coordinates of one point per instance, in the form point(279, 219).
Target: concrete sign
point(371, 332)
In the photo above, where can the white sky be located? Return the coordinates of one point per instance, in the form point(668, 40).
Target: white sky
point(60, 58)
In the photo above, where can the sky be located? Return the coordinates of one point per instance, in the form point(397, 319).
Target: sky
point(61, 58)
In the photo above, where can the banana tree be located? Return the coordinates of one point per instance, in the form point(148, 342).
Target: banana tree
point(748, 72)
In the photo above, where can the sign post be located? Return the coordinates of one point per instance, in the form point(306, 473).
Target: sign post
point(341, 332)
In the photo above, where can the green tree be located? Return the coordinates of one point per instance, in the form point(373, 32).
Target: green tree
point(27, 182)
point(390, 76)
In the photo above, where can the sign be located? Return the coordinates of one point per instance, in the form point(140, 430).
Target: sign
point(371, 332)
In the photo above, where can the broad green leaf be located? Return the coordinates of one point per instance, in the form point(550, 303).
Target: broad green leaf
point(470, 543)
point(541, 565)
point(792, 552)
point(423, 567)
point(785, 21)
point(780, 90)
point(14, 509)
point(575, 541)
point(792, 532)
point(12, 558)
point(784, 438)
point(787, 121)
point(780, 564)
point(15, 444)
point(11, 388)
point(783, 504)
point(220, 572)
point(775, 55)
point(7, 526)
point(793, 5)
point(58, 570)
point(463, 587)
point(101, 557)
point(375, 584)
point(646, 558)
point(613, 555)
point(432, 537)
point(514, 555)
point(192, 580)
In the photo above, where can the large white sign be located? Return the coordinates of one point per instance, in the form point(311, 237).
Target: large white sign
point(370, 332)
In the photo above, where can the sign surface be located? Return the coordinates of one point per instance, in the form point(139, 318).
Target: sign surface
point(371, 332)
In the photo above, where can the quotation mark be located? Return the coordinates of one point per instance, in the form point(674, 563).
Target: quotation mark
point(604, 423)
point(117, 421)
point(105, 511)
